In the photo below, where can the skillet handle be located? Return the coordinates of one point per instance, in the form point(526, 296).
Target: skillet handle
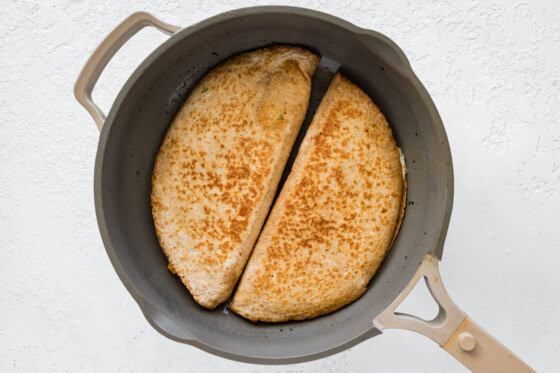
point(103, 54)
point(452, 329)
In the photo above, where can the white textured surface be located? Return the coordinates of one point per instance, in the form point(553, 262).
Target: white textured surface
point(493, 70)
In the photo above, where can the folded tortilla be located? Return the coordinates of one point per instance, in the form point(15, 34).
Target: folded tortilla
point(335, 218)
point(217, 170)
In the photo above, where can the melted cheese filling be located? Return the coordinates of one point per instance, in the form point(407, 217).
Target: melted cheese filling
point(403, 164)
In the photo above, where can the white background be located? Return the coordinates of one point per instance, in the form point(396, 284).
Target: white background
point(493, 70)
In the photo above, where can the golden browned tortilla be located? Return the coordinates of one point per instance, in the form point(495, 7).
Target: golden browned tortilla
point(221, 160)
point(336, 216)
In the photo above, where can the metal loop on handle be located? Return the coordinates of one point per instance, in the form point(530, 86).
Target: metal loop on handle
point(448, 319)
point(105, 51)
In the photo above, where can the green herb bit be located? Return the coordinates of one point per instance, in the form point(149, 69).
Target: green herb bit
point(281, 116)
point(204, 90)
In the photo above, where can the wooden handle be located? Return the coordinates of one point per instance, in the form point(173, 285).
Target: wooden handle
point(480, 352)
point(452, 329)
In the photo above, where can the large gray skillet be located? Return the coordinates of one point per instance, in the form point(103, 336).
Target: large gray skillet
point(138, 120)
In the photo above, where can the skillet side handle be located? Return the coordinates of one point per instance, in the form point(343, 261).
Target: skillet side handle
point(103, 54)
point(452, 329)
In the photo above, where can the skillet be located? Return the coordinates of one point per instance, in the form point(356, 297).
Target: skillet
point(138, 120)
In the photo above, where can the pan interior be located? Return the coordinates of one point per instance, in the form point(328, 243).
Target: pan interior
point(139, 120)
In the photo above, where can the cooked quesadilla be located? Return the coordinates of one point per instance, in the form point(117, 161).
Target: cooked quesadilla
point(335, 218)
point(220, 162)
